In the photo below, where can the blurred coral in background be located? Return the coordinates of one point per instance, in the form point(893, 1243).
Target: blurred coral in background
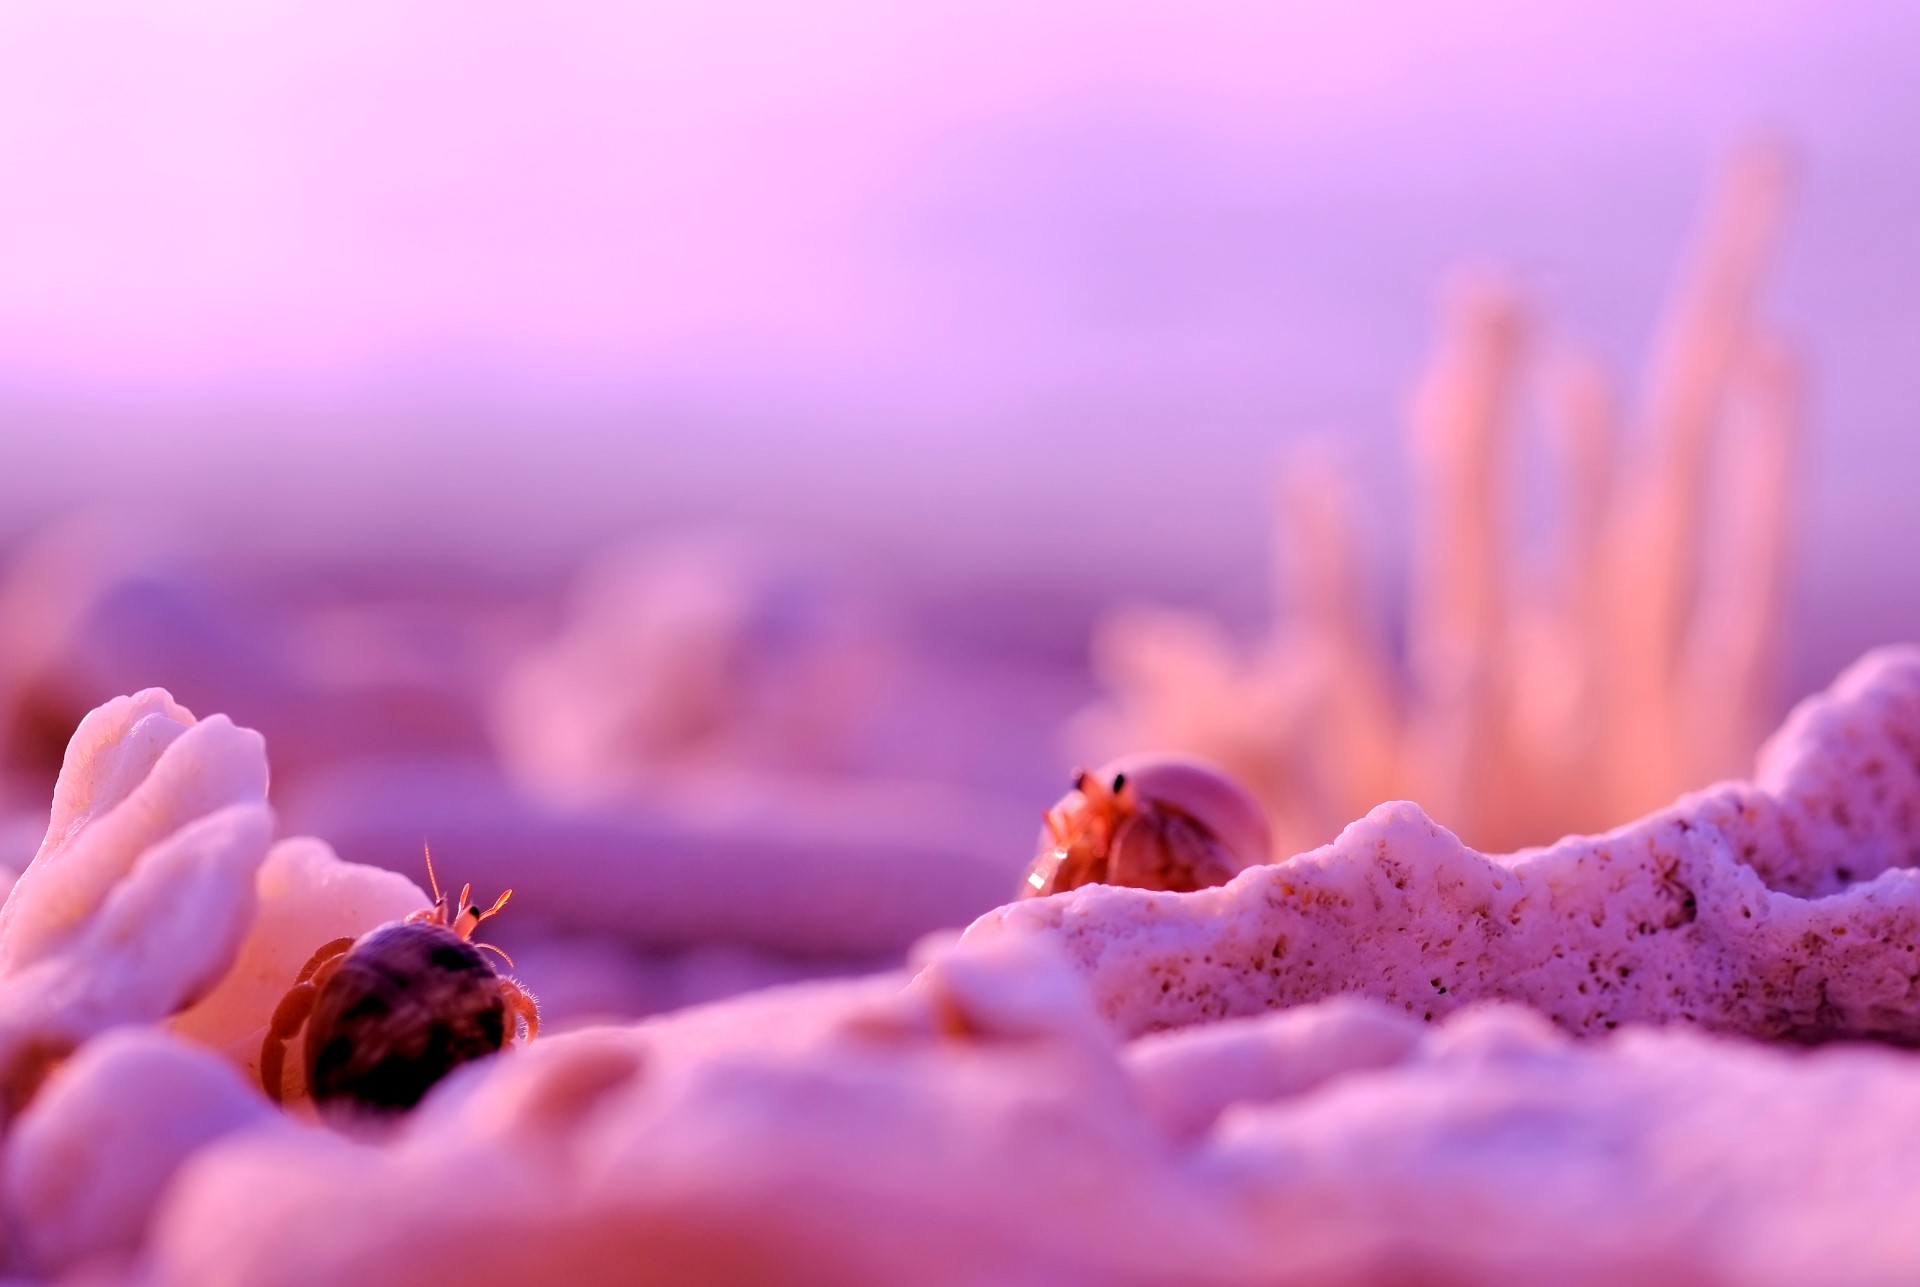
point(1641, 659)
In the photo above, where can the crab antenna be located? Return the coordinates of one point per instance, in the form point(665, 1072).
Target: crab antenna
point(498, 903)
point(432, 879)
point(496, 951)
point(466, 896)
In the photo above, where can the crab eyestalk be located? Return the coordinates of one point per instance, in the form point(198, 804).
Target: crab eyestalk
point(1163, 822)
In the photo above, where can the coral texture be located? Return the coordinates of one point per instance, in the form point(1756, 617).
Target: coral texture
point(1786, 907)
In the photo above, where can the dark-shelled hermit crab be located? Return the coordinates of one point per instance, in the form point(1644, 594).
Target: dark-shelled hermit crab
point(390, 1013)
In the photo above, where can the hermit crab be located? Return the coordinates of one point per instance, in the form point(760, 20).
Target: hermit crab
point(390, 1013)
point(1151, 821)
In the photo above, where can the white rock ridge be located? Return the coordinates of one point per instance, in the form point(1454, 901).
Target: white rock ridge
point(1787, 907)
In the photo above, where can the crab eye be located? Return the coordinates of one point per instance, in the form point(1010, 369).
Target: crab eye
point(1119, 781)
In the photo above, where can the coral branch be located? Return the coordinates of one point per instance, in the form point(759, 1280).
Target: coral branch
point(1647, 665)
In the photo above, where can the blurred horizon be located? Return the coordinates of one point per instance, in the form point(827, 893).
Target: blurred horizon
point(938, 286)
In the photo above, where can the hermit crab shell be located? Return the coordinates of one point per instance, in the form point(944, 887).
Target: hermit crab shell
point(407, 1005)
point(1152, 821)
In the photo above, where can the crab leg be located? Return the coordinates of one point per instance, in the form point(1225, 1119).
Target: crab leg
point(292, 1011)
point(521, 1003)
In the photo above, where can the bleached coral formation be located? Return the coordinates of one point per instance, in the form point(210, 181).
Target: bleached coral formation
point(155, 896)
point(1697, 914)
point(1643, 665)
point(1497, 1152)
point(143, 888)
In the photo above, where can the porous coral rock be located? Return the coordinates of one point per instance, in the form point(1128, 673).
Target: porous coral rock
point(1504, 1153)
point(140, 893)
point(1500, 1152)
point(155, 895)
point(1669, 919)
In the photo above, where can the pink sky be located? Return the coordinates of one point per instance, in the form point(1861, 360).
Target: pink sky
point(948, 276)
point(304, 196)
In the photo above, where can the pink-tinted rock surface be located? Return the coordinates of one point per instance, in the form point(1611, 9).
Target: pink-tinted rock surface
point(92, 1154)
point(982, 1126)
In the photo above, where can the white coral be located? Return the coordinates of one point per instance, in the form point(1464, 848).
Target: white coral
point(139, 896)
point(153, 898)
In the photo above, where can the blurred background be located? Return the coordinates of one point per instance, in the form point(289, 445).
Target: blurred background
point(683, 459)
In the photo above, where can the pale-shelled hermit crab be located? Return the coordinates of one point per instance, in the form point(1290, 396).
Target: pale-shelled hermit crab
point(1164, 822)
